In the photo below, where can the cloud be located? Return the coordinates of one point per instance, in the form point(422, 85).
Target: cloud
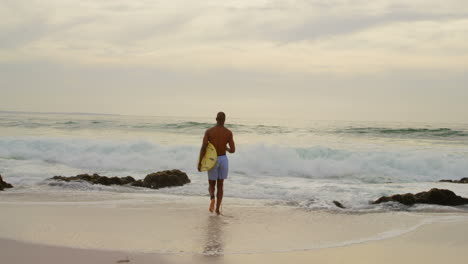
point(280, 36)
point(417, 95)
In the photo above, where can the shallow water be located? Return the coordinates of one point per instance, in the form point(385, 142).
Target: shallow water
point(158, 224)
point(298, 163)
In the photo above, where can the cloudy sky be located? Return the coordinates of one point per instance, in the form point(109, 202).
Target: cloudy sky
point(318, 59)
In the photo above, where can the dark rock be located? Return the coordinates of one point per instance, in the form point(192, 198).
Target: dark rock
point(138, 183)
point(434, 196)
point(4, 185)
point(462, 180)
point(96, 179)
point(86, 177)
point(154, 180)
point(407, 199)
point(103, 180)
point(166, 178)
point(338, 204)
point(126, 180)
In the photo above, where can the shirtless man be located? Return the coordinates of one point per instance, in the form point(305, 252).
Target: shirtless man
point(219, 136)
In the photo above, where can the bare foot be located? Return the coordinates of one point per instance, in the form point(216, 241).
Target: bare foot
point(212, 205)
point(218, 212)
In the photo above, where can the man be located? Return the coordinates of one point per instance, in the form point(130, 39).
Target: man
point(219, 136)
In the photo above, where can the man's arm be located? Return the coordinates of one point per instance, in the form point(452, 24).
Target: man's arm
point(232, 145)
point(203, 149)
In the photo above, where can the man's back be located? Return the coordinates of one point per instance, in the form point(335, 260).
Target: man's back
point(219, 136)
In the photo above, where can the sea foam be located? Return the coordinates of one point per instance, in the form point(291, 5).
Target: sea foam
point(254, 160)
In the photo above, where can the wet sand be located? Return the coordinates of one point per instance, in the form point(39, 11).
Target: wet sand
point(39, 231)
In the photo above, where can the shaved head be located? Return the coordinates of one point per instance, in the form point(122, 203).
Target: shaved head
point(220, 117)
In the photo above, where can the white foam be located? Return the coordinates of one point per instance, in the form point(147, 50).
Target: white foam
point(309, 177)
point(252, 160)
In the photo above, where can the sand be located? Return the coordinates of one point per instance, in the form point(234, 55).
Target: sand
point(38, 230)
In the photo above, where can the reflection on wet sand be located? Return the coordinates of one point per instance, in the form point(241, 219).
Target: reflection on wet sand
point(214, 244)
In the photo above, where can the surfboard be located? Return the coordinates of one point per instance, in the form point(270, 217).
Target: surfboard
point(209, 160)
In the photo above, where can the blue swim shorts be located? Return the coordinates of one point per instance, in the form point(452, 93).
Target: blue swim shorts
point(220, 169)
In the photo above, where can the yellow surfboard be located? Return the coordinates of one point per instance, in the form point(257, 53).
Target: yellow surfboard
point(209, 160)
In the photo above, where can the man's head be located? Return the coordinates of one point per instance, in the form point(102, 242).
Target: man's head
point(220, 118)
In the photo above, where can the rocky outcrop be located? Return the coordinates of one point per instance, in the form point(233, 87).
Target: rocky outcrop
point(434, 196)
point(96, 179)
point(462, 180)
point(156, 180)
point(338, 204)
point(4, 185)
point(165, 178)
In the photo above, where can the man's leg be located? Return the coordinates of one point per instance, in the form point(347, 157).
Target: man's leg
point(219, 195)
point(211, 190)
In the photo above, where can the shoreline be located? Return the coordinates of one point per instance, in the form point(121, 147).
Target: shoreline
point(105, 227)
point(165, 226)
point(175, 224)
point(431, 243)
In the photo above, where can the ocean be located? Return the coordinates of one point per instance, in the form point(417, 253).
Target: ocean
point(279, 162)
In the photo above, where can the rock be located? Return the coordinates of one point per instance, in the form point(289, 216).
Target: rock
point(96, 179)
point(462, 180)
point(166, 178)
point(104, 181)
point(93, 179)
point(156, 180)
point(407, 199)
point(4, 185)
point(338, 204)
point(126, 180)
point(434, 196)
point(138, 183)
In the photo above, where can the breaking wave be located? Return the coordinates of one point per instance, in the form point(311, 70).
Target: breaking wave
point(436, 132)
point(256, 160)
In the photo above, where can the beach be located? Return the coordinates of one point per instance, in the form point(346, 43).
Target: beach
point(38, 230)
point(333, 132)
point(279, 200)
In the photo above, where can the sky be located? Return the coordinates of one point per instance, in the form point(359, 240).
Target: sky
point(384, 60)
